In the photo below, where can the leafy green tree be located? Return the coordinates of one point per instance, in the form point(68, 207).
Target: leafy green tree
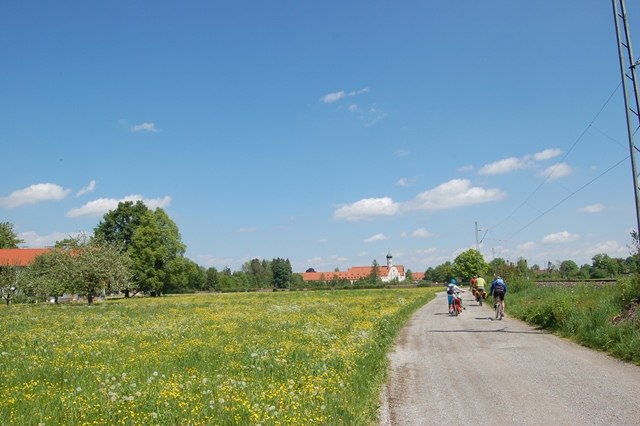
point(429, 274)
point(211, 282)
point(186, 276)
point(443, 273)
point(99, 267)
point(497, 266)
point(151, 239)
point(409, 275)
point(469, 264)
point(9, 276)
point(8, 237)
point(602, 263)
point(50, 273)
point(282, 272)
point(374, 275)
point(259, 272)
point(568, 268)
point(522, 267)
point(118, 226)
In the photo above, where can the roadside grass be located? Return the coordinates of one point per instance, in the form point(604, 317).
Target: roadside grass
point(262, 359)
point(596, 317)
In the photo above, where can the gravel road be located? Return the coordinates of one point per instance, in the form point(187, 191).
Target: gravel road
point(472, 369)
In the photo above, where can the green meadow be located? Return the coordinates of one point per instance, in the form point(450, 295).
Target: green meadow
point(602, 317)
point(286, 358)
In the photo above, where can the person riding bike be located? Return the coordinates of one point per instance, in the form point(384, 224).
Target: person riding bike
point(498, 290)
point(452, 290)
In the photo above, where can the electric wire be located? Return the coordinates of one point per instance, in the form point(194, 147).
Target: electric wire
point(548, 176)
point(567, 197)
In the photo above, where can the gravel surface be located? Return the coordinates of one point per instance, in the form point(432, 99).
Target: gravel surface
point(473, 369)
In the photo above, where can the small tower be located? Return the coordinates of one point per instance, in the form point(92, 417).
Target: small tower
point(389, 260)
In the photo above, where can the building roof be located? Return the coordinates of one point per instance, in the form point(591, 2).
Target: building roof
point(354, 273)
point(19, 257)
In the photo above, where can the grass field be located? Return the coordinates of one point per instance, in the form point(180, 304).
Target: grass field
point(225, 359)
point(602, 318)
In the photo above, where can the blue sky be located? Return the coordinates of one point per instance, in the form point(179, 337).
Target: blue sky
point(329, 133)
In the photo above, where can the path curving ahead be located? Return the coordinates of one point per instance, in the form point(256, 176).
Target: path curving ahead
point(462, 370)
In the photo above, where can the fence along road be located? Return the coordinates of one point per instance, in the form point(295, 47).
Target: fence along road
point(472, 369)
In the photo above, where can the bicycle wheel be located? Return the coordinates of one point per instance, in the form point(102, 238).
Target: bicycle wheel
point(497, 306)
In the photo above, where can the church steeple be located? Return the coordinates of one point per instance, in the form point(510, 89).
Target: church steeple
point(389, 260)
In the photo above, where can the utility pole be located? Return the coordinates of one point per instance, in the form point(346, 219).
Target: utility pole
point(477, 240)
point(628, 74)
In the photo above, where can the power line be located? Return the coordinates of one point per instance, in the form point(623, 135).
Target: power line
point(584, 132)
point(568, 196)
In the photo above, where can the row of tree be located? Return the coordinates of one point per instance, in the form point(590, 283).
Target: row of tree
point(471, 263)
point(133, 250)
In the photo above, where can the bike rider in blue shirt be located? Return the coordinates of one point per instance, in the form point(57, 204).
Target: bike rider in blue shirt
point(498, 290)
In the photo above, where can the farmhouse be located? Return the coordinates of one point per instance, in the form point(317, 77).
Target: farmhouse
point(387, 273)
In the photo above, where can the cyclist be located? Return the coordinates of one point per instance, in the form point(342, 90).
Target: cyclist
point(478, 284)
point(452, 289)
point(498, 290)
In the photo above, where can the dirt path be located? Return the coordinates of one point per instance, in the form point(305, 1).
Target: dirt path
point(462, 370)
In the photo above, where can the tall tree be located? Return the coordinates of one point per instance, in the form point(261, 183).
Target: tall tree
point(568, 268)
point(8, 237)
point(281, 270)
point(469, 264)
point(118, 226)
point(151, 239)
point(374, 275)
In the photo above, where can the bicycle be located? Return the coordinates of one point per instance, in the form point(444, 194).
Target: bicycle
point(498, 307)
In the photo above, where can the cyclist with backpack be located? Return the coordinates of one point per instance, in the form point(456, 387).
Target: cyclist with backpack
point(498, 290)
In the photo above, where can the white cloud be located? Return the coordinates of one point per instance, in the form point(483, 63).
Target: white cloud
point(101, 206)
point(452, 194)
point(34, 194)
point(529, 245)
point(612, 248)
point(353, 107)
point(560, 238)
point(402, 182)
point(503, 166)
point(401, 153)
point(333, 97)
point(421, 233)
point(547, 154)
point(89, 188)
point(510, 164)
point(367, 208)
point(33, 240)
point(336, 96)
point(377, 237)
point(144, 127)
point(556, 171)
point(593, 208)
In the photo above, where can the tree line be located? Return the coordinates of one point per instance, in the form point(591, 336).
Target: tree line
point(133, 250)
point(471, 264)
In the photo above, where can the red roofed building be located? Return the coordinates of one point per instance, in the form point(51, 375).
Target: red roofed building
point(387, 273)
point(19, 257)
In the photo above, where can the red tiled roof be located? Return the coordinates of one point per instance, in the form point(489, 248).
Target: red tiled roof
point(353, 273)
point(19, 257)
point(418, 275)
